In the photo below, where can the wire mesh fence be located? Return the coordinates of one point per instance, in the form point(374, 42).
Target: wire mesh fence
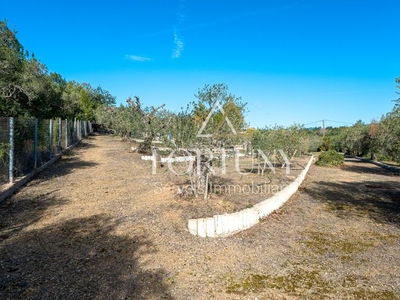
point(28, 143)
point(4, 149)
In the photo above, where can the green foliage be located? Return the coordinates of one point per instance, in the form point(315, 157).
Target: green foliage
point(152, 122)
point(42, 98)
point(356, 139)
point(330, 158)
point(82, 100)
point(12, 58)
point(387, 141)
point(121, 119)
point(182, 130)
point(218, 125)
point(326, 144)
point(145, 123)
point(377, 139)
point(4, 149)
point(293, 140)
point(25, 85)
point(397, 102)
point(314, 142)
point(28, 89)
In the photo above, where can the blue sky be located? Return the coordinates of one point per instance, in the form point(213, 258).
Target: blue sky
point(290, 60)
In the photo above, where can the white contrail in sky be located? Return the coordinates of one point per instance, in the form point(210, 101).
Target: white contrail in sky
point(178, 29)
point(179, 45)
point(137, 58)
point(178, 39)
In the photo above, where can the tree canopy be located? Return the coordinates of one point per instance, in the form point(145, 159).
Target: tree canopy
point(225, 111)
point(27, 88)
point(379, 139)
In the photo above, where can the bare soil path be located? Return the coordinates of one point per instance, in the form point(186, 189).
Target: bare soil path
point(92, 227)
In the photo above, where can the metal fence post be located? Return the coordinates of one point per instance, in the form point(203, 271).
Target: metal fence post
point(35, 144)
point(76, 131)
point(59, 134)
point(73, 138)
point(51, 139)
point(66, 133)
point(11, 153)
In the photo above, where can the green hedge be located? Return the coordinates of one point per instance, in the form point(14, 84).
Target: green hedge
point(330, 158)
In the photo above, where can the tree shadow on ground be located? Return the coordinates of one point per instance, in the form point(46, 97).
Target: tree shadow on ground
point(358, 166)
point(80, 258)
point(378, 200)
point(68, 163)
point(20, 212)
point(85, 142)
point(63, 167)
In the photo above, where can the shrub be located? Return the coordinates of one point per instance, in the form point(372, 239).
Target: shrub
point(326, 144)
point(330, 158)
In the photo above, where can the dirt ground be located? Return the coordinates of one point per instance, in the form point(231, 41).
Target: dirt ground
point(97, 225)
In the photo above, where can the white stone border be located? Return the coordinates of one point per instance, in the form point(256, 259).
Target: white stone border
point(228, 224)
point(379, 164)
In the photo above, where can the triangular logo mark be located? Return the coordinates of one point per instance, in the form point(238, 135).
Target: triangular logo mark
point(203, 126)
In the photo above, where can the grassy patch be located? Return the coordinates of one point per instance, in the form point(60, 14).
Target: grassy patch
point(323, 243)
point(382, 295)
point(307, 283)
point(296, 282)
point(310, 278)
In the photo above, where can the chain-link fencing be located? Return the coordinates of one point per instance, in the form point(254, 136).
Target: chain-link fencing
point(28, 143)
point(4, 149)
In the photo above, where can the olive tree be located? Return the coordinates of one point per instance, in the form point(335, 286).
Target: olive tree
point(388, 136)
point(214, 120)
point(279, 141)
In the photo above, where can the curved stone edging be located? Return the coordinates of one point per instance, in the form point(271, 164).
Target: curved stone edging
point(379, 164)
point(228, 224)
